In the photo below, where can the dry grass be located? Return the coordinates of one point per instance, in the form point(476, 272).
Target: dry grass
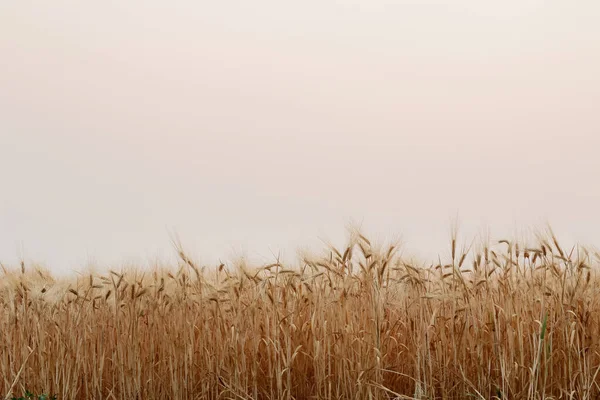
point(501, 322)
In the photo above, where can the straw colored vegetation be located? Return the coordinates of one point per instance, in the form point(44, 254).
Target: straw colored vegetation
point(504, 321)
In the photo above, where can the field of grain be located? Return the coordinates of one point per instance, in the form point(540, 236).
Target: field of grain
point(502, 320)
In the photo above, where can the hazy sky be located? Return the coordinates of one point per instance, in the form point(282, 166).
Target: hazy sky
point(253, 126)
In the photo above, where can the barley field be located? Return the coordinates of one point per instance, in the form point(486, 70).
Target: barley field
point(497, 321)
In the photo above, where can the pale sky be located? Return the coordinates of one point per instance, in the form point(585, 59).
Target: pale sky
point(250, 127)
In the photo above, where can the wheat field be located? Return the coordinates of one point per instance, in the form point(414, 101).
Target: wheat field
point(503, 321)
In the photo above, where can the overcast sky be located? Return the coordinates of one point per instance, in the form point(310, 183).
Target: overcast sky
point(250, 127)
